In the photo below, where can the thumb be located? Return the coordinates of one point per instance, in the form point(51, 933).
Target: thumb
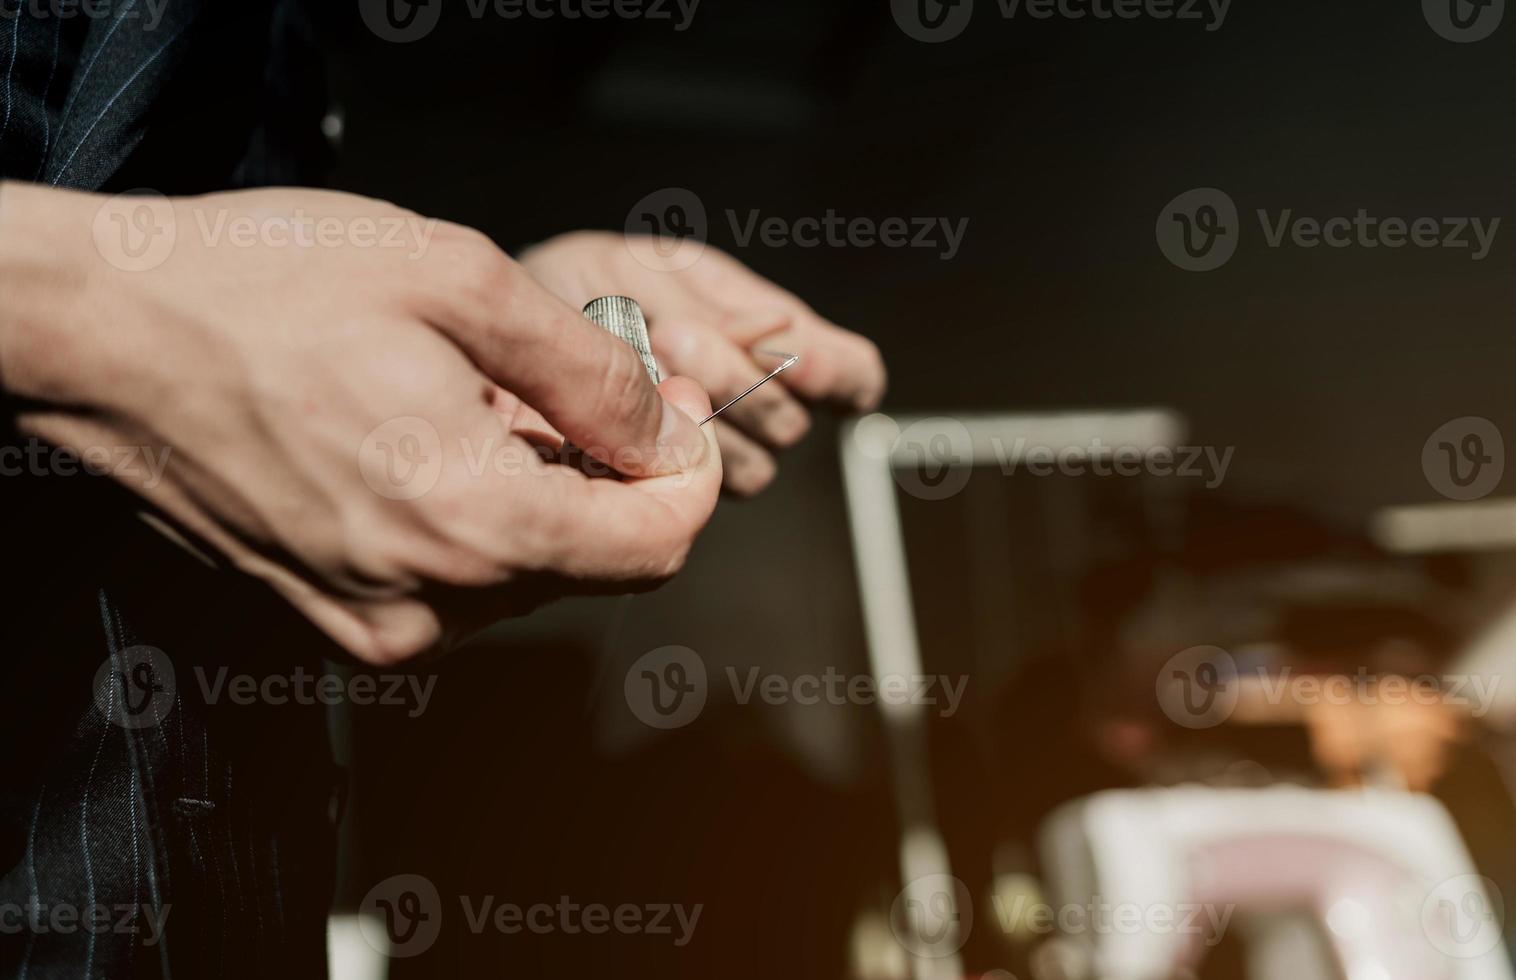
point(687, 397)
point(588, 385)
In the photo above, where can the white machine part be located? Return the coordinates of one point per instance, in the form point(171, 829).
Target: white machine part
point(1384, 874)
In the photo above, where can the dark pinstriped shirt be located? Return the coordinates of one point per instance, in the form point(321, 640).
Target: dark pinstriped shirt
point(200, 844)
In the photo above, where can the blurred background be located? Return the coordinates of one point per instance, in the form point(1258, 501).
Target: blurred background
point(1136, 655)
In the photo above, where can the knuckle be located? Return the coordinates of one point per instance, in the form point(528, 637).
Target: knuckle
point(475, 269)
point(624, 389)
point(788, 424)
point(402, 635)
point(459, 547)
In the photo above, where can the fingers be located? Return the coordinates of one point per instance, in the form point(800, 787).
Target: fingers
point(588, 385)
point(836, 365)
point(770, 414)
point(748, 466)
point(523, 420)
point(635, 532)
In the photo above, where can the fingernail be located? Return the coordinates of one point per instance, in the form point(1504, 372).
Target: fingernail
point(681, 444)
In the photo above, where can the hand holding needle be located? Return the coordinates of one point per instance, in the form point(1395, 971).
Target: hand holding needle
point(621, 317)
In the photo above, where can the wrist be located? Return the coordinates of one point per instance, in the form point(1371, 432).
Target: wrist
point(48, 268)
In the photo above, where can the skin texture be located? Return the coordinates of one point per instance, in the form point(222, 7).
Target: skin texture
point(264, 367)
point(706, 321)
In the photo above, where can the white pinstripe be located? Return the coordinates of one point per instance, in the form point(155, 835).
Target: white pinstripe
point(47, 129)
point(109, 105)
point(11, 70)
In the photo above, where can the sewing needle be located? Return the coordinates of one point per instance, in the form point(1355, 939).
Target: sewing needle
point(789, 362)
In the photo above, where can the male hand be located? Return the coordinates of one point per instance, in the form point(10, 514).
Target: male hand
point(707, 321)
point(351, 398)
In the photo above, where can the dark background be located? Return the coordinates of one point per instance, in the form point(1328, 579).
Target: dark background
point(1060, 141)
